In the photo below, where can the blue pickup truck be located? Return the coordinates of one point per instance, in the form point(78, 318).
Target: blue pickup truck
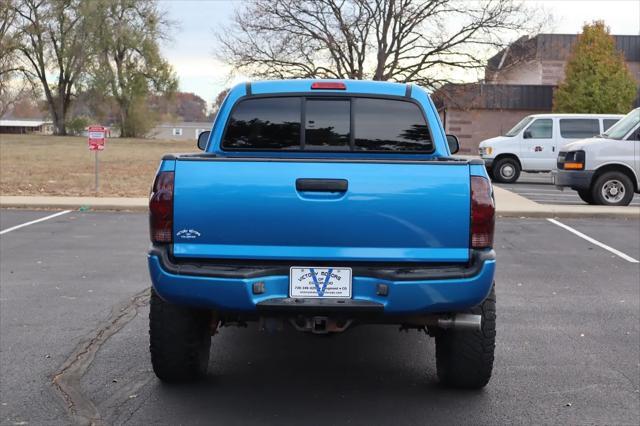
point(321, 205)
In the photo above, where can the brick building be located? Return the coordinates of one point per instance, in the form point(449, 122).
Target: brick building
point(519, 80)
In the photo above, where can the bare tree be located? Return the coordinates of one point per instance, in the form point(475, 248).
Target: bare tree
point(401, 40)
point(52, 41)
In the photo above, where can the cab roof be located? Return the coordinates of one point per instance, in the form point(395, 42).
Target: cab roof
point(351, 86)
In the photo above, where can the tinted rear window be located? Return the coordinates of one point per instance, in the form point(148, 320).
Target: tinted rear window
point(277, 124)
point(327, 125)
point(264, 124)
point(388, 125)
point(576, 128)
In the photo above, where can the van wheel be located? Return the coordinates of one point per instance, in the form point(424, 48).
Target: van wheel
point(506, 170)
point(464, 359)
point(612, 189)
point(585, 195)
point(180, 339)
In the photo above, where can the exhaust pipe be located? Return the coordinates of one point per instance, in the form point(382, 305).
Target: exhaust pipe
point(467, 322)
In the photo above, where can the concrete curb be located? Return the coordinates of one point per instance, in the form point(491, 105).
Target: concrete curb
point(508, 204)
point(633, 213)
point(75, 203)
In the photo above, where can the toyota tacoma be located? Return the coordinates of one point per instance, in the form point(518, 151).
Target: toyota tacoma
point(321, 205)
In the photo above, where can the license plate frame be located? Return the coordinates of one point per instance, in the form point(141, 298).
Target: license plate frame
point(303, 285)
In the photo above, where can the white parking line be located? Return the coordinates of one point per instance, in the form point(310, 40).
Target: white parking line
point(42, 219)
point(596, 242)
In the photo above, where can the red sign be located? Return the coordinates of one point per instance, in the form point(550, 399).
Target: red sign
point(97, 137)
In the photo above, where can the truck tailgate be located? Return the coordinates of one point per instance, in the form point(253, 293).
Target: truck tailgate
point(318, 210)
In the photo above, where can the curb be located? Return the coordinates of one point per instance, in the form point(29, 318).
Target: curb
point(508, 204)
point(75, 203)
point(82, 208)
point(137, 205)
point(551, 213)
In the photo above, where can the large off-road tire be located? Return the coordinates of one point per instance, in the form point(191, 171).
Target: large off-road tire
point(612, 189)
point(586, 196)
point(464, 359)
point(180, 339)
point(506, 170)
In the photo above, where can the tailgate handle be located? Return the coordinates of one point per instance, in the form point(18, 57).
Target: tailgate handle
point(322, 185)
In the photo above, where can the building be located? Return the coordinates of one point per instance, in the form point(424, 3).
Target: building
point(26, 126)
point(519, 80)
point(180, 131)
point(542, 59)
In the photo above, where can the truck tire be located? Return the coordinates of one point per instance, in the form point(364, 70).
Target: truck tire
point(586, 196)
point(506, 170)
point(180, 339)
point(464, 359)
point(612, 189)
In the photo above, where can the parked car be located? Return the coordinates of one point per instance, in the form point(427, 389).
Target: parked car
point(604, 170)
point(533, 144)
point(322, 205)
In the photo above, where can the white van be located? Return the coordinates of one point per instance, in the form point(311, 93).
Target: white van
point(604, 170)
point(533, 144)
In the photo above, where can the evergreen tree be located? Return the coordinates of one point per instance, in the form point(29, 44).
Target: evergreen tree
point(597, 79)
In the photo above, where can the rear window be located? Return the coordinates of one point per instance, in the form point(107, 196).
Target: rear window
point(264, 124)
point(576, 128)
point(388, 125)
point(327, 124)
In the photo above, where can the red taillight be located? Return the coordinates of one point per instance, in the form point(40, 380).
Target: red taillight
point(328, 85)
point(161, 208)
point(482, 213)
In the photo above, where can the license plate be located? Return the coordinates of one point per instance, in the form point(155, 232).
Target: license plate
point(320, 282)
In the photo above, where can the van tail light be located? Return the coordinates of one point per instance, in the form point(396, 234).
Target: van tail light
point(161, 208)
point(483, 212)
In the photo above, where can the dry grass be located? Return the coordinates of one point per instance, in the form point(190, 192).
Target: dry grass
point(51, 165)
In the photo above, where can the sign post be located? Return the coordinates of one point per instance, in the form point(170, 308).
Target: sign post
point(97, 138)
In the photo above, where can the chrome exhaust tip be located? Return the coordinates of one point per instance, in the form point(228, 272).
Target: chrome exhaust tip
point(468, 322)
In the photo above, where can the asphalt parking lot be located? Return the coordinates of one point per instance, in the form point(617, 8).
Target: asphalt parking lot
point(74, 339)
point(539, 187)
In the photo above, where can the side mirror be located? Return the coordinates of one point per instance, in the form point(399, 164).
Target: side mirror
point(527, 134)
point(454, 145)
point(203, 138)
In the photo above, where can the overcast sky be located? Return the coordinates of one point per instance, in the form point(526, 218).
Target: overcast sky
point(192, 49)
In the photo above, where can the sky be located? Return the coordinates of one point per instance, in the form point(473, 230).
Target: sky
point(192, 48)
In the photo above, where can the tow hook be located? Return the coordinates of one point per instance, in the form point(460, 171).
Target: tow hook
point(468, 322)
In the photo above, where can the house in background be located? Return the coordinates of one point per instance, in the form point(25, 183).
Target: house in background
point(519, 81)
point(18, 126)
point(180, 131)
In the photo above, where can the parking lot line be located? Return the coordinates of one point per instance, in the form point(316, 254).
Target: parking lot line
point(42, 219)
point(596, 242)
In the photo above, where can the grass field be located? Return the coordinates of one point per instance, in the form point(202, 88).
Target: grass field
point(51, 165)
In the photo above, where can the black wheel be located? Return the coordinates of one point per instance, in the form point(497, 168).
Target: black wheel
point(585, 195)
point(612, 189)
point(506, 170)
point(464, 359)
point(180, 339)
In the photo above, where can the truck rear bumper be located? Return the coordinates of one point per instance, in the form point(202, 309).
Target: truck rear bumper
point(440, 292)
